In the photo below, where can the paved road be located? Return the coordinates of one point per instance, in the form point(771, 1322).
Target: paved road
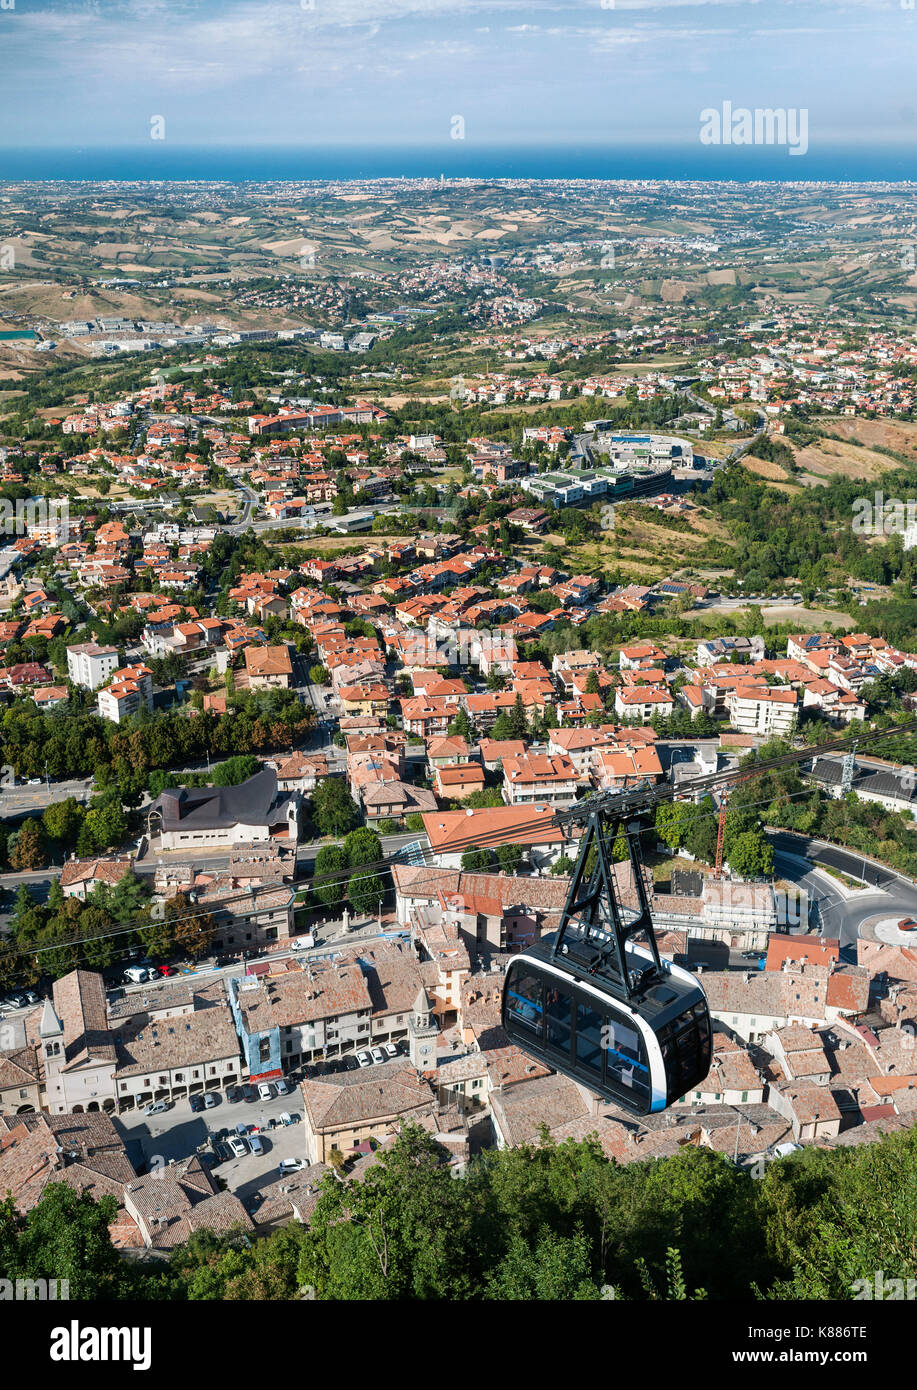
point(841, 914)
point(24, 799)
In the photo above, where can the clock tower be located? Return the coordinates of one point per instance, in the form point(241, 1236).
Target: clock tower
point(422, 1031)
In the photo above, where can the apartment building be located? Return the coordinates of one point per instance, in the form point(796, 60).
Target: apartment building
point(90, 665)
point(539, 777)
point(185, 1054)
point(131, 690)
point(285, 1021)
point(342, 1112)
point(268, 668)
point(643, 701)
point(762, 710)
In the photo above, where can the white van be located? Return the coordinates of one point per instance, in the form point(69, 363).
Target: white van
point(136, 974)
point(303, 943)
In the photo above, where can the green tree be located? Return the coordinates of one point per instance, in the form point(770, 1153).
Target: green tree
point(620, 850)
point(62, 821)
point(333, 808)
point(517, 720)
point(510, 857)
point(557, 1267)
point(751, 855)
point(461, 726)
point(30, 849)
point(362, 846)
point(477, 860)
point(66, 1236)
point(330, 860)
point(367, 892)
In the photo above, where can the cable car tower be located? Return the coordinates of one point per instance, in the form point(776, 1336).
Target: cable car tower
point(596, 927)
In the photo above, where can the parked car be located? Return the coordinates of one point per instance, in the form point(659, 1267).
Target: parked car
point(377, 1054)
point(390, 1049)
point(211, 1099)
point(167, 970)
point(364, 1059)
point(241, 1129)
point(292, 1165)
point(197, 1104)
point(286, 1118)
point(350, 1063)
point(248, 1093)
point(281, 1087)
point(264, 1091)
point(31, 996)
point(233, 1095)
point(157, 1107)
point(257, 1146)
point(237, 1148)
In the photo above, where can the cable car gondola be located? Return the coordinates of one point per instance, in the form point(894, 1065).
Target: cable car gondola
point(593, 1002)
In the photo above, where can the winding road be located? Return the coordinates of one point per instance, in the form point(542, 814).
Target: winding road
point(842, 911)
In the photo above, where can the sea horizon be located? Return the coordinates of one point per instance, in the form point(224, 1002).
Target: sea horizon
point(157, 162)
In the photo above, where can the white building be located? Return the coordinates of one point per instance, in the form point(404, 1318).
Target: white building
point(90, 665)
point(762, 710)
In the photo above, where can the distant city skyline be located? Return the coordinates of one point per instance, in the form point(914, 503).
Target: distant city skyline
point(511, 74)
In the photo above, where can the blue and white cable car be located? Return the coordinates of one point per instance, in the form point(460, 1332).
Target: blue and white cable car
point(602, 1008)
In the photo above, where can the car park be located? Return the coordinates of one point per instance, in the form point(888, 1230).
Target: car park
point(236, 1147)
point(157, 1107)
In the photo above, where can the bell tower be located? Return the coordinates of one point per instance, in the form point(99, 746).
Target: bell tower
point(51, 1034)
point(422, 1031)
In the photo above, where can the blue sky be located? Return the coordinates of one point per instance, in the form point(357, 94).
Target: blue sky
point(395, 72)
